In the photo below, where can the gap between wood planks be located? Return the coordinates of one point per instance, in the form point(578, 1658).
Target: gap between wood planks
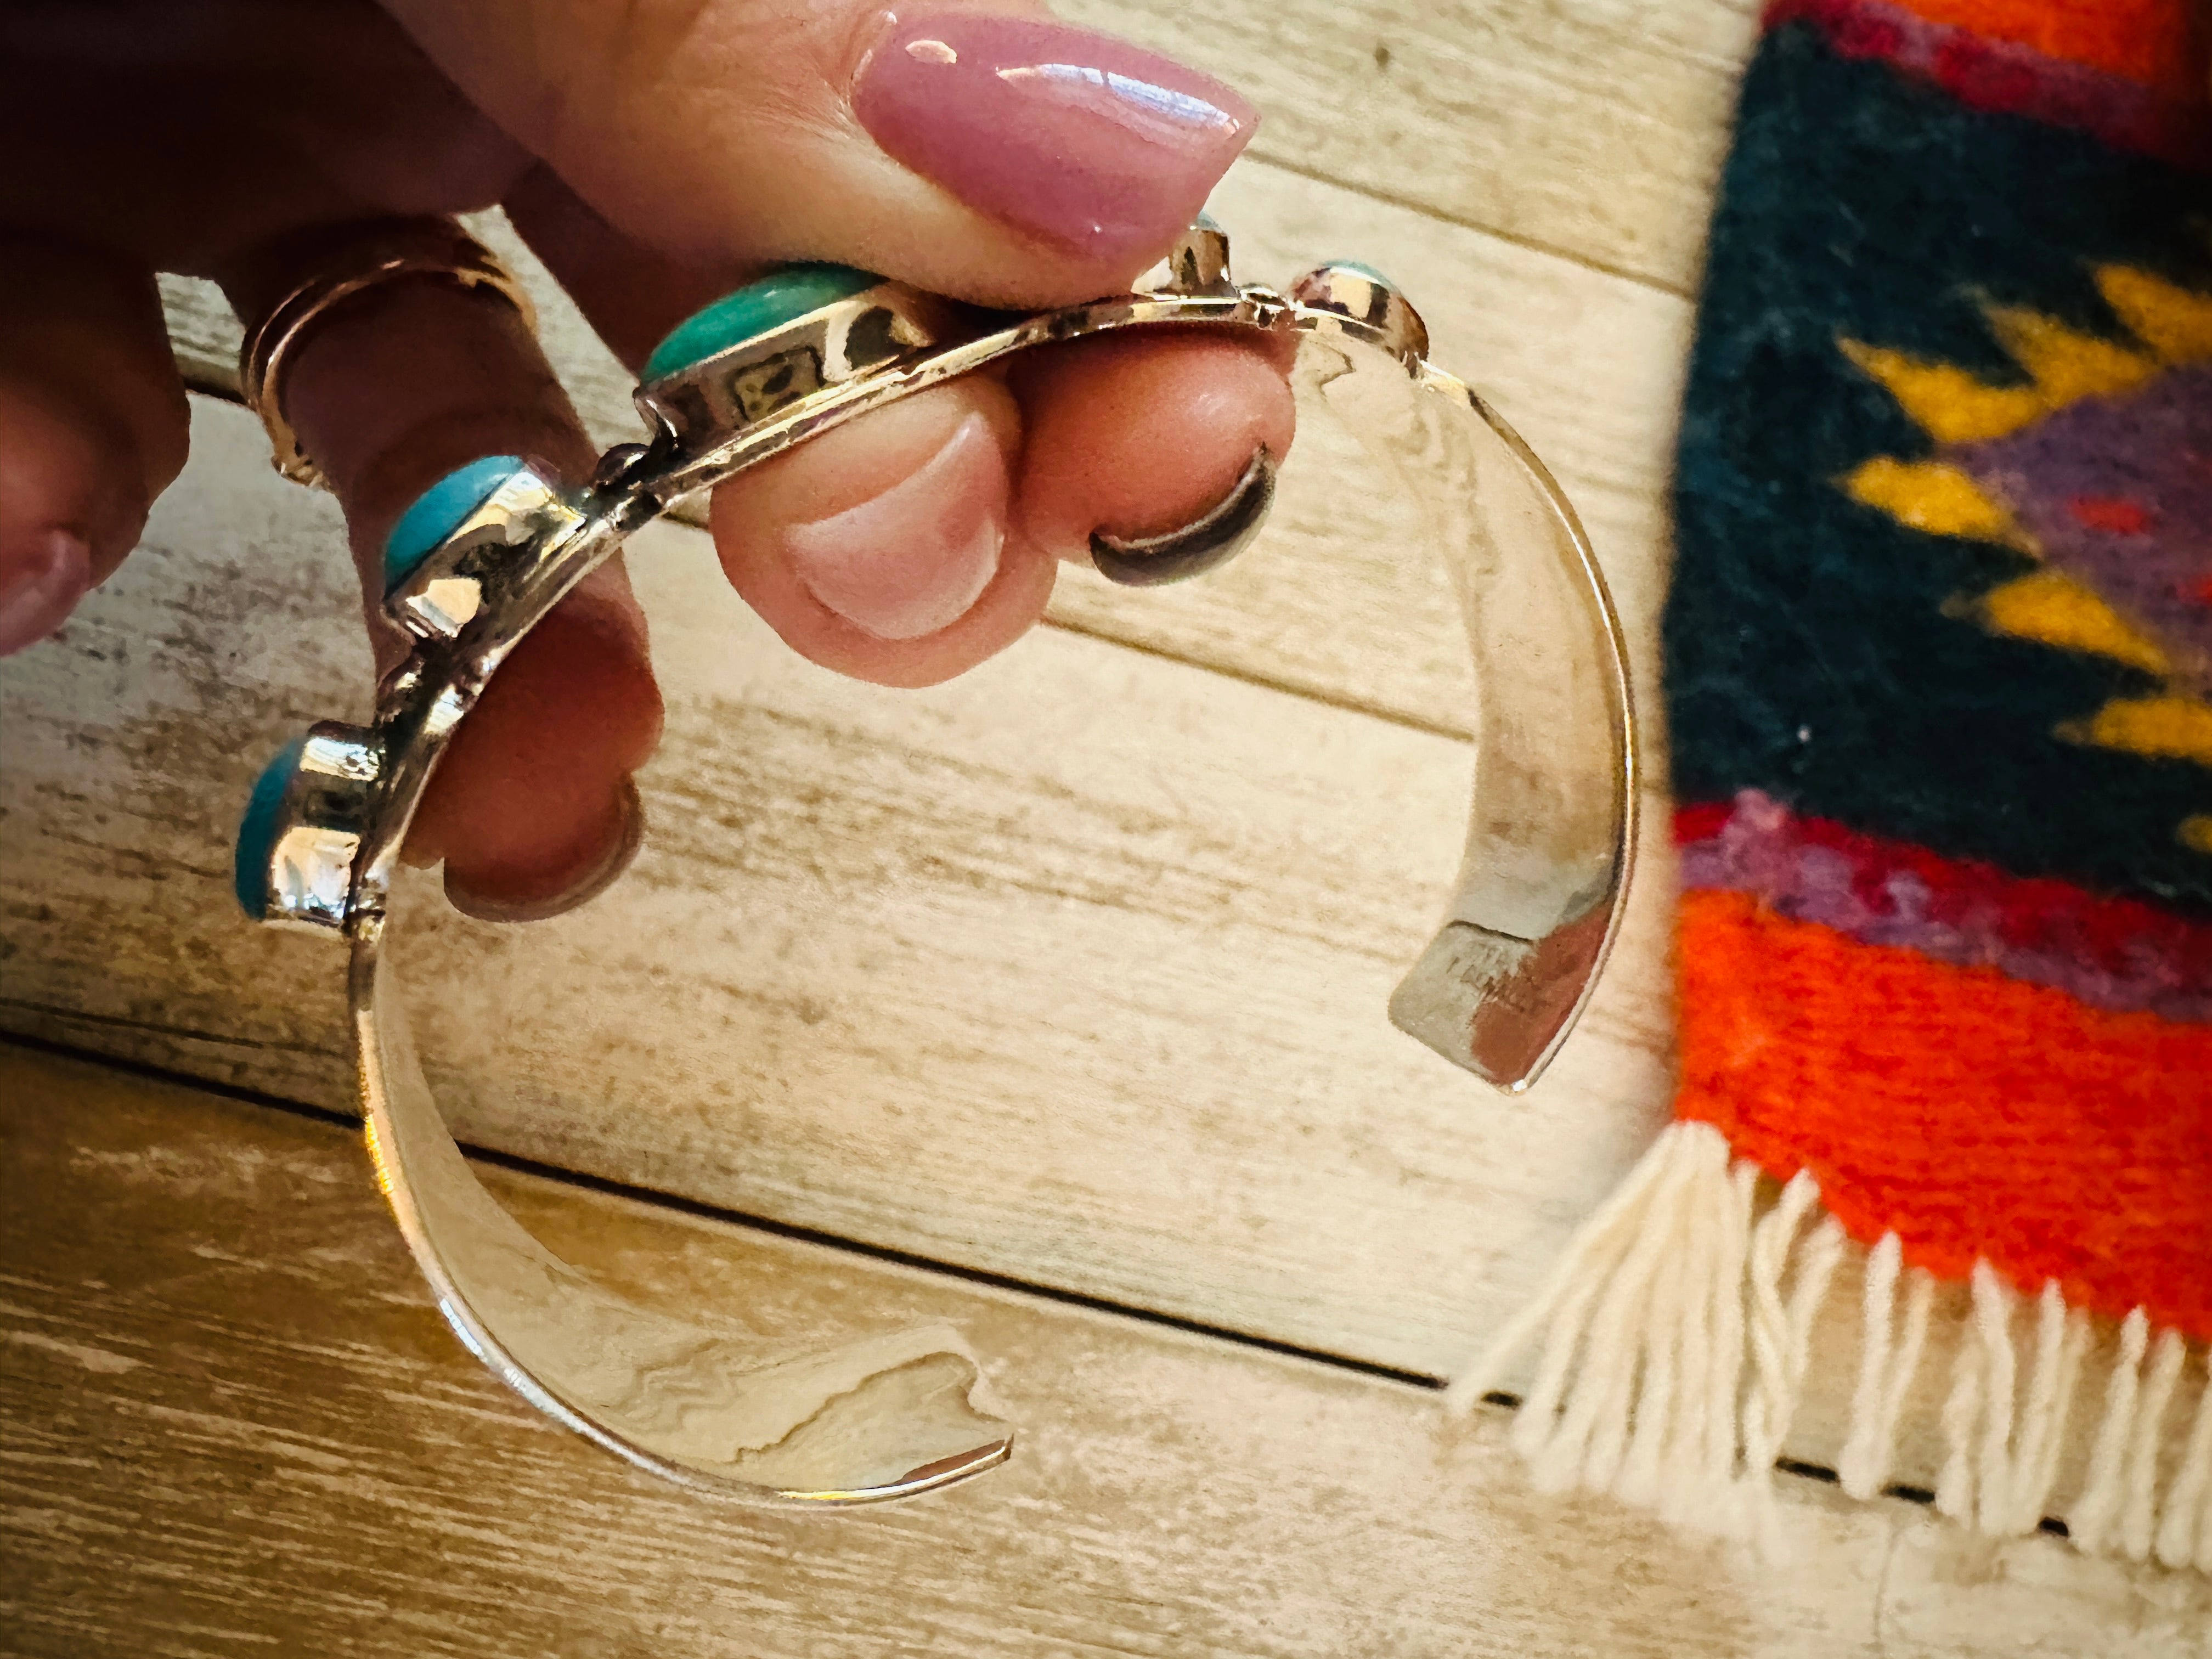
point(698, 1211)
point(1682, 290)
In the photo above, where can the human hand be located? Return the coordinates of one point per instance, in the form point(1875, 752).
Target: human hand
point(654, 156)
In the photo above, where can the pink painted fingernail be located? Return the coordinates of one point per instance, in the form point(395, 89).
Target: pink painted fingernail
point(1074, 136)
point(913, 560)
point(41, 586)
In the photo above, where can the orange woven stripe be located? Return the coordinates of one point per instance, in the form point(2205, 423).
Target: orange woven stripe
point(2146, 41)
point(1972, 1114)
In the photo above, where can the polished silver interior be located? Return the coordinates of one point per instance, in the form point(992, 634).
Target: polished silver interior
point(1550, 829)
point(708, 1406)
point(715, 1406)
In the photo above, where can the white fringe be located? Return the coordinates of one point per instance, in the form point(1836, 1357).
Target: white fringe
point(1888, 1367)
point(1954, 1487)
point(2062, 1337)
point(1993, 1304)
point(2091, 1520)
point(2182, 1530)
point(1781, 1333)
point(1671, 1343)
point(2139, 1498)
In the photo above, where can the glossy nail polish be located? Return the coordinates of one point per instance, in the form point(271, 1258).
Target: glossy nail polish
point(40, 586)
point(915, 559)
point(1075, 136)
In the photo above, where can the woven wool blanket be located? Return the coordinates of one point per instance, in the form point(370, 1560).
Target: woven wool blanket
point(1939, 690)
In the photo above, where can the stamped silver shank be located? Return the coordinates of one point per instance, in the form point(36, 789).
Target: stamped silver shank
point(1537, 903)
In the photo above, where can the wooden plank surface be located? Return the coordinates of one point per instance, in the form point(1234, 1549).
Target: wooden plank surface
point(1594, 128)
point(231, 1422)
point(1074, 970)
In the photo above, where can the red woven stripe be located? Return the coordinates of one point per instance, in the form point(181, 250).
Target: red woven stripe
point(2131, 76)
point(1972, 1116)
point(1700, 821)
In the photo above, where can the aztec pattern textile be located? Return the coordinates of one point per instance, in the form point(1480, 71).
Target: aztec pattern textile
point(1938, 685)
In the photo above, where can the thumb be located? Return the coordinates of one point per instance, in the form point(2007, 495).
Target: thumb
point(991, 154)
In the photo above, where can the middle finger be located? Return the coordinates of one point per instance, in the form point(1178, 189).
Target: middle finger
point(908, 545)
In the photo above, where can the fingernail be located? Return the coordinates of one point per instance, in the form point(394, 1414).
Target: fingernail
point(915, 559)
point(1074, 136)
point(1212, 539)
point(602, 873)
point(39, 589)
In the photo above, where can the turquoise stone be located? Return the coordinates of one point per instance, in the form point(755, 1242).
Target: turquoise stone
point(440, 510)
point(256, 831)
point(783, 295)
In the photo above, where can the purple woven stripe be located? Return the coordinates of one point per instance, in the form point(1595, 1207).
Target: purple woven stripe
point(1872, 892)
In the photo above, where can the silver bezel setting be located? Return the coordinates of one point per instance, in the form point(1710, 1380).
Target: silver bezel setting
point(756, 379)
point(482, 559)
point(322, 820)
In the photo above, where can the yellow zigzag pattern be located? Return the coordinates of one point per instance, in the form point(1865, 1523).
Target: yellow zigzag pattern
point(2062, 366)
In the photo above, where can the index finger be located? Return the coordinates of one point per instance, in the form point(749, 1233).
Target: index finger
point(991, 154)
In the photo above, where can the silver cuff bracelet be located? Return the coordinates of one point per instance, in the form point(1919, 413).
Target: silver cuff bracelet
point(489, 551)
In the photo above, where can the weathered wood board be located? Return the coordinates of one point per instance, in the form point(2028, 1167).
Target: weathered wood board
point(1071, 971)
point(1074, 970)
point(231, 1422)
point(1594, 128)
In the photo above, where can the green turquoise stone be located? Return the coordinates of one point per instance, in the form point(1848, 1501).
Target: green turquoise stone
point(440, 510)
point(783, 295)
point(256, 831)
